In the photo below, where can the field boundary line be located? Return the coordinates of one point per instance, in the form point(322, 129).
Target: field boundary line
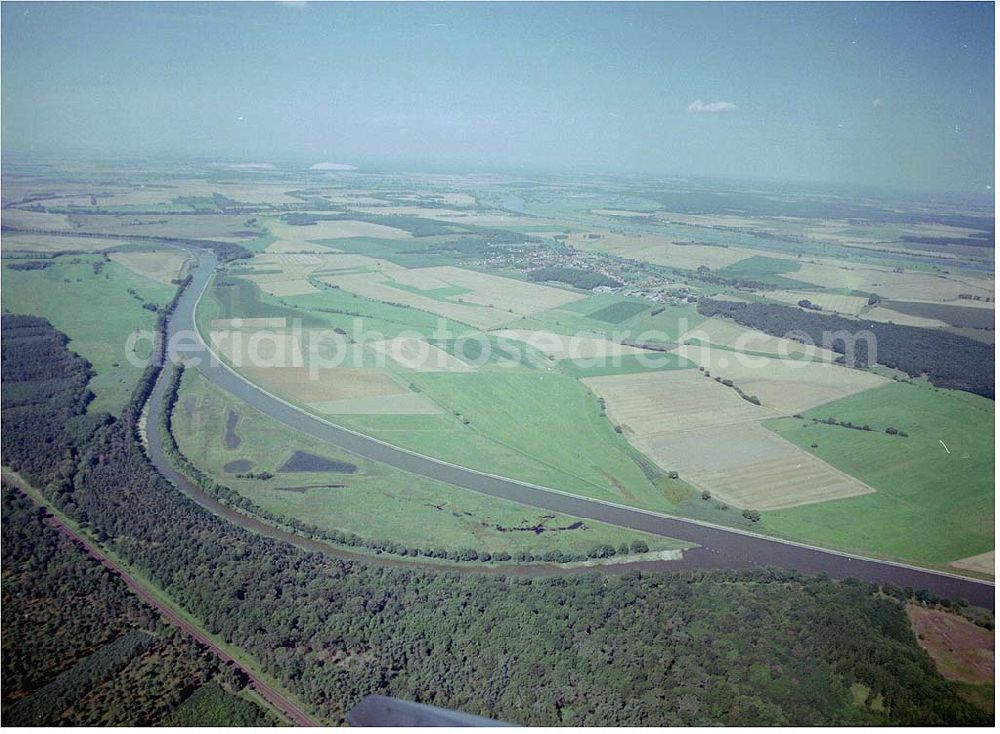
point(551, 490)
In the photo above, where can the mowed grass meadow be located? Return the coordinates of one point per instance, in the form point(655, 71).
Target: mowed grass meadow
point(537, 426)
point(96, 311)
point(376, 501)
point(934, 498)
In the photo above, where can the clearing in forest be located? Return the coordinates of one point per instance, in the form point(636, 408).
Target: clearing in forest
point(960, 649)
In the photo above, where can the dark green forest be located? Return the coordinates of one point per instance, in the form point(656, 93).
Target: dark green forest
point(80, 649)
point(700, 647)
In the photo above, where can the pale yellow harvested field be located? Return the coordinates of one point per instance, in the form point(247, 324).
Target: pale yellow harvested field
point(711, 220)
point(263, 322)
point(227, 228)
point(499, 219)
point(35, 220)
point(352, 228)
point(983, 563)
point(725, 333)
point(417, 354)
point(252, 193)
point(326, 348)
point(425, 279)
point(456, 199)
point(355, 199)
point(830, 302)
point(293, 263)
point(289, 246)
point(620, 213)
point(522, 298)
point(489, 302)
point(887, 315)
point(53, 243)
point(689, 423)
point(413, 211)
point(729, 297)
point(303, 264)
point(310, 385)
point(282, 287)
point(258, 348)
point(295, 270)
point(408, 404)
point(991, 305)
point(331, 230)
point(661, 250)
point(777, 484)
point(747, 465)
point(889, 285)
point(649, 403)
point(786, 386)
point(376, 287)
point(560, 346)
point(455, 216)
point(163, 267)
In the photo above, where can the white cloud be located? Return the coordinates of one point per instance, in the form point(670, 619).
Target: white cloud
point(699, 106)
point(877, 102)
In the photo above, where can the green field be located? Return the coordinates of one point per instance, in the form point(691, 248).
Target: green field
point(624, 364)
point(541, 427)
point(618, 312)
point(666, 325)
point(763, 269)
point(931, 506)
point(96, 311)
point(528, 421)
point(376, 501)
point(536, 422)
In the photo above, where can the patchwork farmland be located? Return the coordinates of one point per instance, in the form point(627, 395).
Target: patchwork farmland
point(340, 313)
point(481, 300)
point(688, 423)
point(681, 408)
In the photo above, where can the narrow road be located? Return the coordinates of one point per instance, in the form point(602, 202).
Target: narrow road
point(719, 547)
point(279, 701)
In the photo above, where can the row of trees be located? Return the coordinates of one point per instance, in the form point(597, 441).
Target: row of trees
point(758, 646)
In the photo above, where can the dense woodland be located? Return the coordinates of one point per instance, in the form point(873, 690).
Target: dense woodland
point(947, 359)
point(735, 647)
point(80, 649)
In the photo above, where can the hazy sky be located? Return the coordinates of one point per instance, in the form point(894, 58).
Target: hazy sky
point(886, 94)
